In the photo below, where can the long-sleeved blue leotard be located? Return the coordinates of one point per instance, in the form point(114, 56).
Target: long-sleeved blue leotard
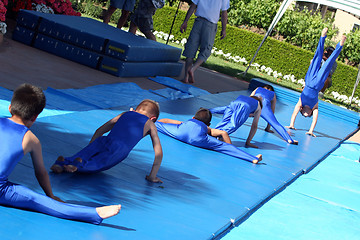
point(317, 74)
point(268, 115)
point(236, 113)
point(14, 195)
point(194, 132)
point(107, 151)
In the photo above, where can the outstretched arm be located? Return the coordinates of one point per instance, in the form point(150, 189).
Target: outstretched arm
point(295, 113)
point(253, 128)
point(32, 144)
point(314, 121)
point(158, 154)
point(219, 133)
point(224, 19)
point(168, 120)
point(187, 17)
point(105, 127)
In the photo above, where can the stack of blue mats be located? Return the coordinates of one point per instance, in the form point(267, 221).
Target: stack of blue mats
point(97, 45)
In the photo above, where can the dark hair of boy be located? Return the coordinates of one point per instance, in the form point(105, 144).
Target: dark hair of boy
point(27, 102)
point(204, 115)
point(268, 87)
point(150, 106)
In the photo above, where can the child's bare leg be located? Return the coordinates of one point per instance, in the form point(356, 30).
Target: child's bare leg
point(193, 69)
point(188, 66)
point(324, 32)
point(72, 168)
point(342, 41)
point(56, 168)
point(108, 211)
point(257, 160)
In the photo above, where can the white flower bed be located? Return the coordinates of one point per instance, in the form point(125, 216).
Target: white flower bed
point(3, 27)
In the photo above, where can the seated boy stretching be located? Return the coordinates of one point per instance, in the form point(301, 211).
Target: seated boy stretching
point(16, 141)
point(237, 112)
point(196, 132)
point(104, 152)
point(314, 82)
point(268, 97)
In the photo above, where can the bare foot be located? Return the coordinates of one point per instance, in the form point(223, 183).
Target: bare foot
point(342, 41)
point(185, 80)
point(269, 130)
point(191, 76)
point(251, 145)
point(57, 168)
point(294, 142)
point(108, 211)
point(258, 160)
point(324, 32)
point(70, 168)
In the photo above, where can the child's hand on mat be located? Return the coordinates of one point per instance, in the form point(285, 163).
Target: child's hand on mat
point(311, 134)
point(154, 180)
point(290, 127)
point(57, 199)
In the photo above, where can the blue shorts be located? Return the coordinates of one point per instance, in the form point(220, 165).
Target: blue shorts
point(202, 35)
point(127, 5)
point(143, 15)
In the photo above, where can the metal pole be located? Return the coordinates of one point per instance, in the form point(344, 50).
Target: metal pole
point(172, 25)
point(355, 86)
point(279, 14)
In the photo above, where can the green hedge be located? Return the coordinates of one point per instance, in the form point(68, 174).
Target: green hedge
point(280, 56)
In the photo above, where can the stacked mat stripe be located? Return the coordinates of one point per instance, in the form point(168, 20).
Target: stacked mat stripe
point(97, 45)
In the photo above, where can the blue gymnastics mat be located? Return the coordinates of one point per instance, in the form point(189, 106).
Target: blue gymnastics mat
point(97, 45)
point(323, 204)
point(204, 193)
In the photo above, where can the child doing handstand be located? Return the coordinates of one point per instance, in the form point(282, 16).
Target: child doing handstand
point(314, 82)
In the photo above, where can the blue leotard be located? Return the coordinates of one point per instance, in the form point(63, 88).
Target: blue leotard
point(236, 113)
point(267, 113)
point(317, 74)
point(14, 195)
point(194, 132)
point(107, 151)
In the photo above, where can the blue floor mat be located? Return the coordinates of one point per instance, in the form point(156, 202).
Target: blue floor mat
point(97, 45)
point(323, 204)
point(203, 192)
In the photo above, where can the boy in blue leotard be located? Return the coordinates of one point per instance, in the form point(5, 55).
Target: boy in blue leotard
point(268, 97)
point(197, 132)
point(314, 82)
point(126, 130)
point(237, 112)
point(16, 141)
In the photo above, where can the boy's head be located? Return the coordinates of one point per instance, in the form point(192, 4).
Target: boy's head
point(268, 87)
point(149, 108)
point(204, 115)
point(306, 111)
point(27, 102)
point(259, 100)
point(327, 52)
